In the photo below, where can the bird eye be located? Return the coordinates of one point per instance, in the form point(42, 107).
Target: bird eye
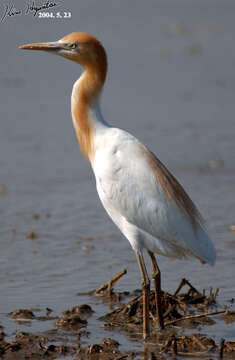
point(72, 46)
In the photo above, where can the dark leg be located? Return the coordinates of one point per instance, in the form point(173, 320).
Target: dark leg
point(156, 275)
point(146, 288)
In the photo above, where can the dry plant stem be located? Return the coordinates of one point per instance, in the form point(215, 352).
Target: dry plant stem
point(195, 316)
point(145, 353)
point(202, 346)
point(195, 354)
point(221, 350)
point(184, 282)
point(110, 284)
point(216, 293)
point(174, 345)
point(146, 289)
point(106, 286)
point(166, 345)
point(168, 311)
point(156, 275)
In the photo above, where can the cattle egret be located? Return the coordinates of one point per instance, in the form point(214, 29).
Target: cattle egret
point(140, 195)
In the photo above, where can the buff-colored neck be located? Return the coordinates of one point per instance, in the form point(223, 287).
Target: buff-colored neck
point(85, 101)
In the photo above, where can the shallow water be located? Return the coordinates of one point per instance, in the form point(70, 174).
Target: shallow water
point(171, 83)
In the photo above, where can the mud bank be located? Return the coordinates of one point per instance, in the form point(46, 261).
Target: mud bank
point(186, 314)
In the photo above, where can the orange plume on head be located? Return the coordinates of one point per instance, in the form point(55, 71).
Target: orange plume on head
point(90, 53)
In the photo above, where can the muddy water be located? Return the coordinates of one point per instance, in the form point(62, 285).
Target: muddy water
point(171, 83)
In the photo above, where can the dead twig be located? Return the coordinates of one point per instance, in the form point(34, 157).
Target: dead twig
point(185, 282)
point(166, 345)
point(108, 286)
point(221, 350)
point(195, 316)
point(194, 354)
point(198, 341)
point(174, 345)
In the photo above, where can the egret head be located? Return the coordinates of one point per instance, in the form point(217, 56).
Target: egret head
point(82, 48)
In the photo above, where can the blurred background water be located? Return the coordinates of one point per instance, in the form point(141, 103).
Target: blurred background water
point(171, 83)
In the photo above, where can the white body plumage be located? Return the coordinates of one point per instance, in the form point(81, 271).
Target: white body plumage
point(136, 202)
